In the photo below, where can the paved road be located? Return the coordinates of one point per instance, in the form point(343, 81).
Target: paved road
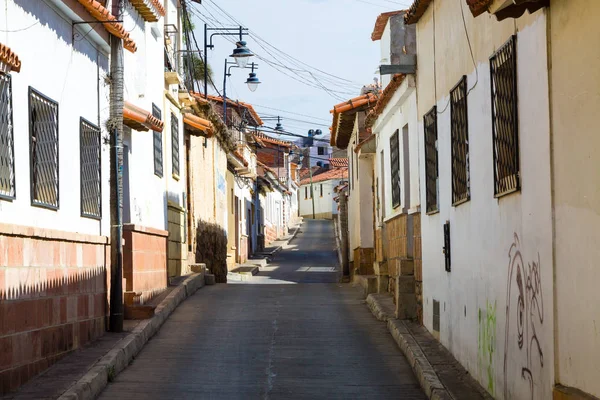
point(291, 332)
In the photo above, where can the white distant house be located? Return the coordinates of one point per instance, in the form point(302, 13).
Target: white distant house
point(324, 206)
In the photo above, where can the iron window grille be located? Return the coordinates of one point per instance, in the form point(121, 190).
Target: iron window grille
point(505, 124)
point(395, 167)
point(431, 160)
point(459, 132)
point(157, 138)
point(175, 143)
point(43, 145)
point(90, 157)
point(321, 187)
point(321, 151)
point(7, 149)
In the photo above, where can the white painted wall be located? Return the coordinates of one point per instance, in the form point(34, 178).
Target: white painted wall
point(479, 298)
point(323, 204)
point(71, 73)
point(400, 113)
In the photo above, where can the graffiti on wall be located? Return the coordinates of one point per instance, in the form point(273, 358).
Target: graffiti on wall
point(524, 317)
point(487, 344)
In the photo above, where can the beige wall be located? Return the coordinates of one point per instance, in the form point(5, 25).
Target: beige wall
point(575, 101)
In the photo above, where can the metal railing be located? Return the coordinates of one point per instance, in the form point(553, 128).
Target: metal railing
point(459, 134)
point(503, 72)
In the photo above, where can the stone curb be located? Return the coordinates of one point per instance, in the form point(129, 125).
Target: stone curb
point(377, 309)
point(117, 359)
point(426, 375)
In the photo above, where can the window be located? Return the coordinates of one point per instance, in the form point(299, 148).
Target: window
point(382, 206)
point(321, 151)
point(7, 150)
point(503, 71)
point(306, 192)
point(43, 146)
point(89, 153)
point(157, 136)
point(431, 160)
point(459, 133)
point(321, 188)
point(175, 144)
point(395, 168)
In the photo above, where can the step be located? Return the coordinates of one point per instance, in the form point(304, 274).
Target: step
point(246, 270)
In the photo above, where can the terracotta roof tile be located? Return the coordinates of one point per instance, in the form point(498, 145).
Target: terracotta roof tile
point(334, 173)
point(241, 157)
point(262, 138)
point(338, 162)
point(343, 117)
point(416, 11)
point(218, 99)
point(381, 22)
point(8, 57)
point(150, 10)
point(384, 99)
point(100, 13)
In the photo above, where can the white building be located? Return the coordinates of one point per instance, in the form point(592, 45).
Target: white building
point(486, 195)
point(322, 190)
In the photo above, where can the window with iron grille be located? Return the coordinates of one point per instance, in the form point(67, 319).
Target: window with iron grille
point(431, 160)
point(175, 143)
point(321, 151)
point(459, 132)
point(157, 138)
point(505, 132)
point(90, 156)
point(395, 168)
point(321, 186)
point(7, 150)
point(43, 145)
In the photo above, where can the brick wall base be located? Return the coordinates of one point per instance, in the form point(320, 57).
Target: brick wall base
point(53, 298)
point(363, 260)
point(177, 264)
point(144, 263)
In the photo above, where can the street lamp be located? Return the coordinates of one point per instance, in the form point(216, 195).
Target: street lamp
point(278, 127)
point(227, 72)
point(312, 133)
point(241, 53)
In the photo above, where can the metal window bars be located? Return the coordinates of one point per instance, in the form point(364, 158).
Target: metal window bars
point(175, 144)
point(459, 132)
point(395, 167)
point(431, 160)
point(157, 147)
point(7, 150)
point(90, 160)
point(505, 132)
point(43, 137)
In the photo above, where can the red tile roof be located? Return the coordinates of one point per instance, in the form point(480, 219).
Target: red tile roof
point(8, 57)
point(338, 162)
point(385, 98)
point(241, 104)
point(416, 11)
point(262, 138)
point(334, 173)
point(150, 10)
point(381, 22)
point(100, 13)
point(343, 118)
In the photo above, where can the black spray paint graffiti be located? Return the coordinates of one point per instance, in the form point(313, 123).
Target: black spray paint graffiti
point(528, 310)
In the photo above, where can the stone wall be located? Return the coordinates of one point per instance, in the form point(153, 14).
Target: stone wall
point(363, 261)
point(53, 298)
point(144, 263)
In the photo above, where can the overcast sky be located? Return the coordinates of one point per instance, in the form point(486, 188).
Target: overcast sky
point(331, 35)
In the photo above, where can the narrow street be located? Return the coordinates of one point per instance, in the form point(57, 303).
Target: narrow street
point(290, 332)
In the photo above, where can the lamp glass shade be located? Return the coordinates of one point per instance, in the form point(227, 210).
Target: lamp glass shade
point(241, 61)
point(252, 82)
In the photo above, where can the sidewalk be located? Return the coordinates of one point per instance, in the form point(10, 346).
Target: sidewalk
point(86, 371)
point(441, 376)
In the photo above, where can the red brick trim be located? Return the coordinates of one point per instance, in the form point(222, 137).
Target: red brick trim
point(145, 229)
point(50, 234)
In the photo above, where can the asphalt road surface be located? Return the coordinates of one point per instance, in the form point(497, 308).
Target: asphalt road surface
point(290, 332)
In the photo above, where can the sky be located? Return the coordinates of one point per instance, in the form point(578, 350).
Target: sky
point(333, 36)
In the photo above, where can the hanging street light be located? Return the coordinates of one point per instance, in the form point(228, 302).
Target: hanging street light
point(241, 54)
point(252, 81)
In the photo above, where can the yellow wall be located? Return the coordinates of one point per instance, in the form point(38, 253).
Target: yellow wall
point(575, 104)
